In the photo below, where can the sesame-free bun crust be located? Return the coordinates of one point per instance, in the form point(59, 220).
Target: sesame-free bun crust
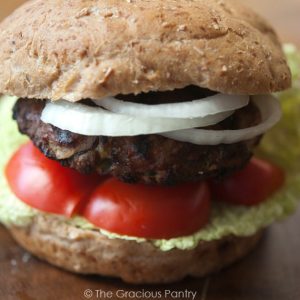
point(74, 49)
point(90, 252)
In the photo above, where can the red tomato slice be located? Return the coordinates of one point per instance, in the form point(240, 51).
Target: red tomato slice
point(46, 185)
point(252, 185)
point(149, 211)
point(136, 210)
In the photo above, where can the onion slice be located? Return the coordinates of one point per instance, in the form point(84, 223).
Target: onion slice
point(94, 121)
point(191, 109)
point(270, 111)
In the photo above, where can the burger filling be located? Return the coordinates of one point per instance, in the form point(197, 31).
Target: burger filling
point(144, 166)
point(149, 159)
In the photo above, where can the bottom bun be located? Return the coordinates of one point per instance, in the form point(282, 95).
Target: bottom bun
point(90, 252)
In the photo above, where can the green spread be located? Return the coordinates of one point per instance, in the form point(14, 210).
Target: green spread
point(281, 145)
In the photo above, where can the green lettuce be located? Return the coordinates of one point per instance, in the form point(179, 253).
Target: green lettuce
point(281, 145)
point(293, 57)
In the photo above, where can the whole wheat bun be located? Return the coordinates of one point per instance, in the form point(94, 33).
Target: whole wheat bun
point(90, 252)
point(74, 49)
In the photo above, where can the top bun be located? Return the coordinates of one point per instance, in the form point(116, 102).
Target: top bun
point(75, 49)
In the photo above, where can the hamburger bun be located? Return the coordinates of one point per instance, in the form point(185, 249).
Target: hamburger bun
point(90, 252)
point(75, 50)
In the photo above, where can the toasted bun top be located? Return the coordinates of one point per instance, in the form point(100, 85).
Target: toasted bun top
point(75, 49)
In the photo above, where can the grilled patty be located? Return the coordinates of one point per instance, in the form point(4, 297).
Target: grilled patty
point(150, 159)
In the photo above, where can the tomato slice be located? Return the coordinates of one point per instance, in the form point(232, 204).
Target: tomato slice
point(136, 210)
point(149, 211)
point(45, 185)
point(250, 186)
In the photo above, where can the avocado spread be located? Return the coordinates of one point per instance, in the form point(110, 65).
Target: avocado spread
point(281, 145)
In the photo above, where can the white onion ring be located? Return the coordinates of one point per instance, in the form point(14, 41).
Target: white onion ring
point(270, 111)
point(191, 109)
point(94, 121)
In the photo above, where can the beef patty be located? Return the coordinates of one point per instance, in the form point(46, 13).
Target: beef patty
point(150, 159)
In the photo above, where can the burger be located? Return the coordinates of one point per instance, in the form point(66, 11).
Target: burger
point(130, 150)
